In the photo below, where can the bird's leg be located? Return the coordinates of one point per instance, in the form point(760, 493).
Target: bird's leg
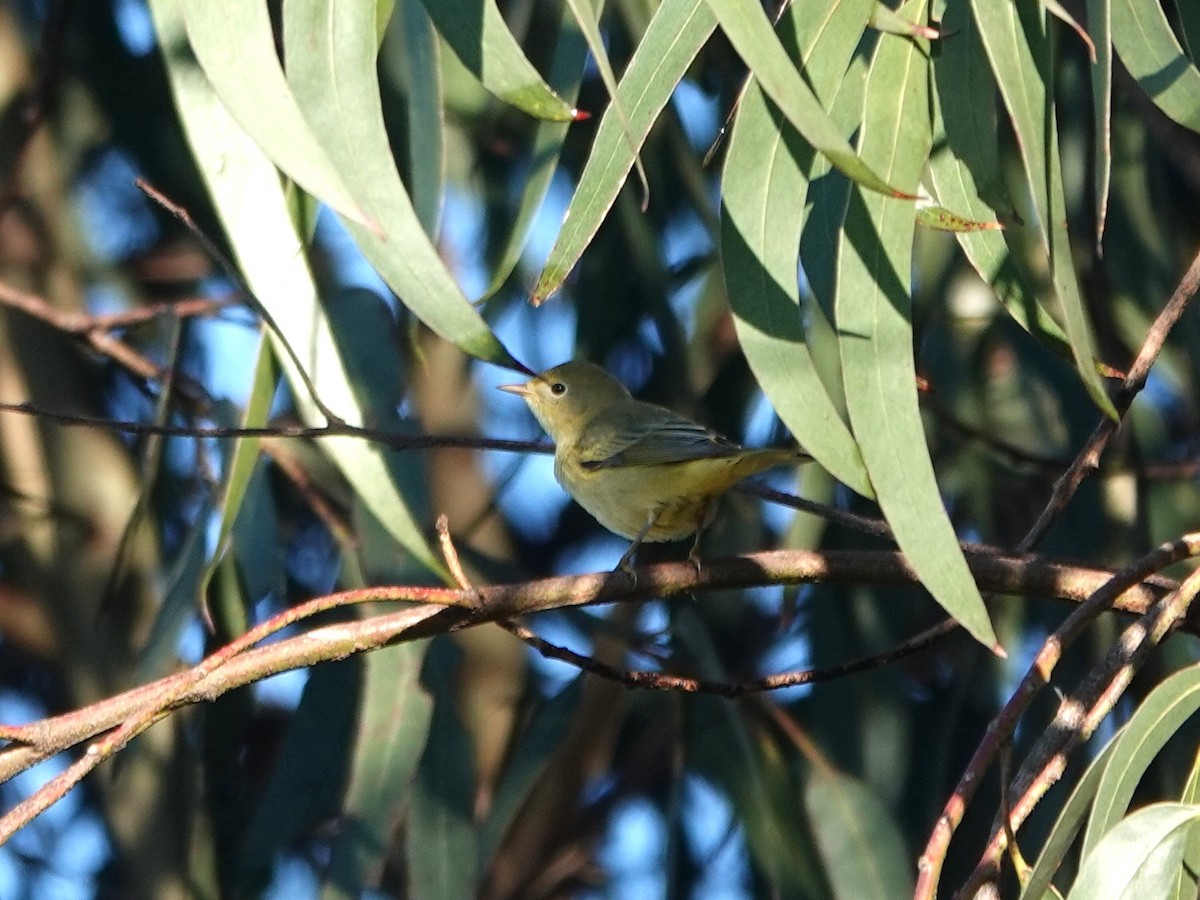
point(694, 553)
point(626, 563)
point(708, 514)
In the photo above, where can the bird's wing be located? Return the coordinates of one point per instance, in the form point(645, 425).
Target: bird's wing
point(649, 438)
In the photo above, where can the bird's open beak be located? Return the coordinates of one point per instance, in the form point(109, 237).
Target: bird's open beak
point(520, 389)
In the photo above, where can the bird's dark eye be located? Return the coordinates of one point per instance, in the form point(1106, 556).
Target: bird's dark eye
point(558, 389)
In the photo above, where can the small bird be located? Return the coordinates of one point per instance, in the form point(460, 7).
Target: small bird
point(644, 472)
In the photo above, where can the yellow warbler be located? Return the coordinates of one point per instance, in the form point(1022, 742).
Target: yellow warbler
point(644, 472)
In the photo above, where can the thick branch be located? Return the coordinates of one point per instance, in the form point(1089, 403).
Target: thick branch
point(443, 610)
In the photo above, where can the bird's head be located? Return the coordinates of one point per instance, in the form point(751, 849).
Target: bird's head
point(566, 398)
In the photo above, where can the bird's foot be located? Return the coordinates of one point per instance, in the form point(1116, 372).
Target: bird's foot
point(626, 565)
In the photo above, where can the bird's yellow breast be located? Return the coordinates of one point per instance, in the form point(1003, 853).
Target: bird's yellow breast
point(679, 496)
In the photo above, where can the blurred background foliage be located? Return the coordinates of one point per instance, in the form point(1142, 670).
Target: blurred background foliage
point(469, 765)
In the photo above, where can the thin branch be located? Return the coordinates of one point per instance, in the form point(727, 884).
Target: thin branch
point(441, 610)
point(1079, 717)
point(1085, 463)
point(1088, 459)
point(1003, 726)
point(394, 440)
point(231, 272)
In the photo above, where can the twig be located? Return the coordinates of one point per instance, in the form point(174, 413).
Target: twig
point(231, 272)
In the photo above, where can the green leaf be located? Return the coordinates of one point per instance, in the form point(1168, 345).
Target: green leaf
point(309, 776)
point(1150, 51)
point(1188, 14)
point(675, 35)
point(332, 72)
point(241, 462)
point(1157, 720)
point(441, 840)
point(1020, 54)
point(1141, 857)
point(254, 212)
point(589, 25)
point(764, 184)
point(390, 732)
point(760, 785)
point(874, 320)
point(235, 46)
point(1099, 19)
point(181, 599)
point(750, 32)
point(966, 174)
point(860, 843)
point(566, 74)
point(532, 753)
point(479, 37)
point(416, 60)
point(885, 19)
point(1062, 835)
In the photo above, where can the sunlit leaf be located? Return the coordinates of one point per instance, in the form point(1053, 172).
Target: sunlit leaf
point(479, 37)
point(941, 219)
point(763, 189)
point(1150, 51)
point(332, 71)
point(235, 45)
point(590, 27)
point(885, 19)
point(417, 59)
point(874, 320)
point(1019, 50)
point(254, 211)
point(675, 35)
point(566, 74)
point(1062, 835)
point(1159, 717)
point(1140, 857)
point(750, 32)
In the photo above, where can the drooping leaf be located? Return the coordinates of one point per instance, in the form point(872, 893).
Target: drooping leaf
point(874, 322)
point(254, 211)
point(566, 74)
point(243, 456)
point(966, 172)
point(417, 62)
point(1156, 720)
point(1018, 46)
point(390, 731)
point(1140, 857)
point(1150, 51)
point(479, 37)
point(860, 843)
point(750, 32)
point(675, 35)
point(590, 27)
point(1099, 17)
point(1062, 835)
point(763, 189)
point(885, 19)
point(332, 71)
point(235, 46)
